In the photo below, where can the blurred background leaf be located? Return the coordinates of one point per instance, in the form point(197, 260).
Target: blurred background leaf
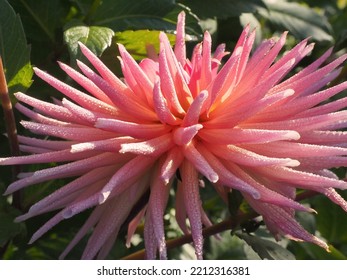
point(222, 9)
point(14, 50)
point(301, 21)
point(266, 249)
point(332, 224)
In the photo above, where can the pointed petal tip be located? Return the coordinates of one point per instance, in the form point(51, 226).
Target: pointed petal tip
point(62, 65)
point(80, 63)
point(284, 34)
point(182, 14)
point(207, 36)
point(163, 40)
point(33, 238)
point(121, 48)
point(7, 192)
point(37, 71)
point(82, 46)
point(18, 93)
point(20, 218)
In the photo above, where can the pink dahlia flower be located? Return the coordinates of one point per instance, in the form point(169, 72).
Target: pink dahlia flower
point(241, 125)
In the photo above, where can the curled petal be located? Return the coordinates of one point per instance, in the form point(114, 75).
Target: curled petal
point(173, 160)
point(194, 110)
point(200, 163)
point(184, 135)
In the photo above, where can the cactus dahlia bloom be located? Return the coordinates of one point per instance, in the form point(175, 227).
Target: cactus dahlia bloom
point(242, 125)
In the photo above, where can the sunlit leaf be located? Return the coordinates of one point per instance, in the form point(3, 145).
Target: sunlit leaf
point(22, 78)
point(96, 38)
point(136, 41)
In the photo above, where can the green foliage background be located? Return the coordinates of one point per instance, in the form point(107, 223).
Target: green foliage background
point(40, 32)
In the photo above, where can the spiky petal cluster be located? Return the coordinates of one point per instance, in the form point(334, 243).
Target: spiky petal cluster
point(241, 125)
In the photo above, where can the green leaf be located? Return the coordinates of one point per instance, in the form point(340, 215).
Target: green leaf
point(331, 220)
point(86, 6)
point(193, 26)
point(42, 18)
point(124, 15)
point(131, 14)
point(136, 41)
point(341, 40)
point(23, 78)
point(222, 8)
point(8, 228)
point(96, 38)
point(300, 21)
point(14, 50)
point(266, 249)
point(229, 247)
point(305, 251)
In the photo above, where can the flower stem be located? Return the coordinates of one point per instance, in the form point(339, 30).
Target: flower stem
point(11, 130)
